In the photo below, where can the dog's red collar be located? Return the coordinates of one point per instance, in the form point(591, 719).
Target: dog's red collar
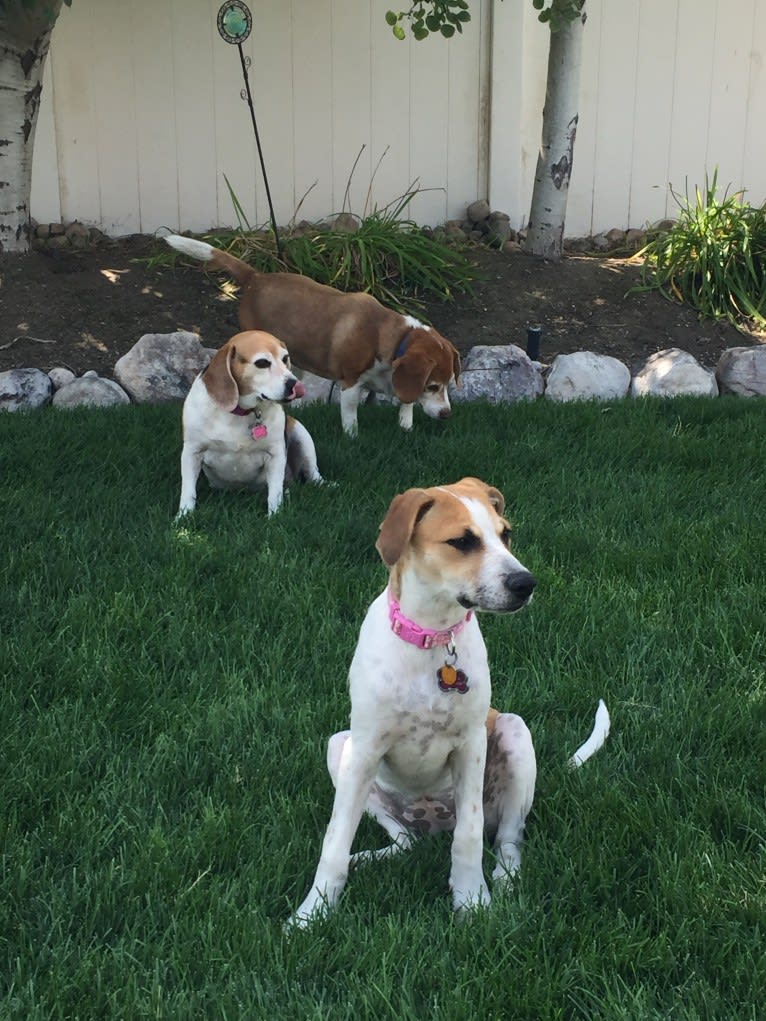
point(422, 637)
point(241, 411)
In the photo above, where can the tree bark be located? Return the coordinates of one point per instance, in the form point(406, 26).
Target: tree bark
point(25, 34)
point(545, 233)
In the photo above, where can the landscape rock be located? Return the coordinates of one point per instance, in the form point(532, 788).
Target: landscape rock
point(578, 245)
point(60, 376)
point(671, 373)
point(500, 374)
point(90, 390)
point(600, 243)
point(161, 366)
point(499, 225)
point(742, 371)
point(346, 222)
point(635, 238)
point(24, 389)
point(585, 376)
point(478, 211)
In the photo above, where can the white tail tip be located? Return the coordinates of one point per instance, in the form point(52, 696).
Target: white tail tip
point(597, 737)
point(190, 246)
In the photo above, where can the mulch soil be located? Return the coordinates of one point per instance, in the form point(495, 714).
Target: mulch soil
point(84, 309)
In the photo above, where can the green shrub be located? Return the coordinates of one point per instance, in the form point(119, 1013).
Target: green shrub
point(713, 257)
point(387, 255)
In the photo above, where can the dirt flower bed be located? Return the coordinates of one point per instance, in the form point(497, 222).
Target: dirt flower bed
point(85, 309)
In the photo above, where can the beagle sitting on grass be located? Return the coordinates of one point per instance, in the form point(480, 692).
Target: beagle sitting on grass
point(234, 427)
point(348, 337)
point(425, 752)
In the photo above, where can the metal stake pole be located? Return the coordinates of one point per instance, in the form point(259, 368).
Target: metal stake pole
point(234, 24)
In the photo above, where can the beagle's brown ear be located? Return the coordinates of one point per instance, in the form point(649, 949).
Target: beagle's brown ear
point(399, 523)
point(495, 497)
point(456, 365)
point(219, 380)
point(410, 375)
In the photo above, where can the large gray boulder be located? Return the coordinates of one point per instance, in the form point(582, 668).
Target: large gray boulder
point(585, 376)
point(90, 390)
point(161, 366)
point(742, 371)
point(24, 389)
point(498, 374)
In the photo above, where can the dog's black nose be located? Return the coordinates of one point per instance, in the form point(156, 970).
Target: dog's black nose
point(521, 584)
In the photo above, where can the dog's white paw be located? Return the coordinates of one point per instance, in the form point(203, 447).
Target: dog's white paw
point(469, 896)
point(314, 909)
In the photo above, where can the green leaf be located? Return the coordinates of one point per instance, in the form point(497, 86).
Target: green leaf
point(447, 31)
point(391, 18)
point(398, 32)
point(433, 22)
point(420, 33)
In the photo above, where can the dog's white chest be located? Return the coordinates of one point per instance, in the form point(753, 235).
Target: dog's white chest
point(398, 705)
point(236, 450)
point(243, 464)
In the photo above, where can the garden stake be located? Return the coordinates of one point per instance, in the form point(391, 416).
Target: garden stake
point(234, 24)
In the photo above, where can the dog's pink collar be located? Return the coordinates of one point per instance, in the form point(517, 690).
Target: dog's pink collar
point(422, 637)
point(242, 411)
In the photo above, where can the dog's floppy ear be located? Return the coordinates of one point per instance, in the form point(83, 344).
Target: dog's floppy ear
point(495, 497)
point(410, 375)
point(399, 523)
point(219, 380)
point(456, 365)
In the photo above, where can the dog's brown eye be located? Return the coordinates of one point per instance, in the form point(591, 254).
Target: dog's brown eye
point(262, 363)
point(432, 388)
point(505, 536)
point(466, 542)
point(286, 359)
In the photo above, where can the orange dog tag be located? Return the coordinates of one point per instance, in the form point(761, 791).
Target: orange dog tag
point(451, 679)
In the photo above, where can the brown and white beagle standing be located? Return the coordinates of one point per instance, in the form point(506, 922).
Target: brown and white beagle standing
point(234, 426)
point(347, 337)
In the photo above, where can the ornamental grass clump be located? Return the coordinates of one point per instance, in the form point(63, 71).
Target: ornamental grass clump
point(713, 257)
point(382, 253)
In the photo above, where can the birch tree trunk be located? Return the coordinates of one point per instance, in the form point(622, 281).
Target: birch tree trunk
point(545, 233)
point(25, 33)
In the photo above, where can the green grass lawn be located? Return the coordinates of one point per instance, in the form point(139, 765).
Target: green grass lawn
point(167, 694)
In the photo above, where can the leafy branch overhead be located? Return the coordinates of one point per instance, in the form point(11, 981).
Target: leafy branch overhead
point(448, 16)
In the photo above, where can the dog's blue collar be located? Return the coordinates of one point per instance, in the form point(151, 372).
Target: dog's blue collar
point(402, 346)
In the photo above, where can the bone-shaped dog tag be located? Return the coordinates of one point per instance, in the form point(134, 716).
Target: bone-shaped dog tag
point(450, 678)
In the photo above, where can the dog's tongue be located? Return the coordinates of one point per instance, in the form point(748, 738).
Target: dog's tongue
point(299, 390)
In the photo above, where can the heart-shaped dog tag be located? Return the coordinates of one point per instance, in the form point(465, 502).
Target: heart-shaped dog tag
point(258, 432)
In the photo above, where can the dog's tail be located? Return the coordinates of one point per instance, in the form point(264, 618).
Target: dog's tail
point(597, 737)
point(213, 257)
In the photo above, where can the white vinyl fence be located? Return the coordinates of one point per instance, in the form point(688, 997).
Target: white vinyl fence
point(142, 120)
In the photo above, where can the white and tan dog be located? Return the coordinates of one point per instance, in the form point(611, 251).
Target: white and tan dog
point(234, 427)
point(425, 752)
point(347, 337)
